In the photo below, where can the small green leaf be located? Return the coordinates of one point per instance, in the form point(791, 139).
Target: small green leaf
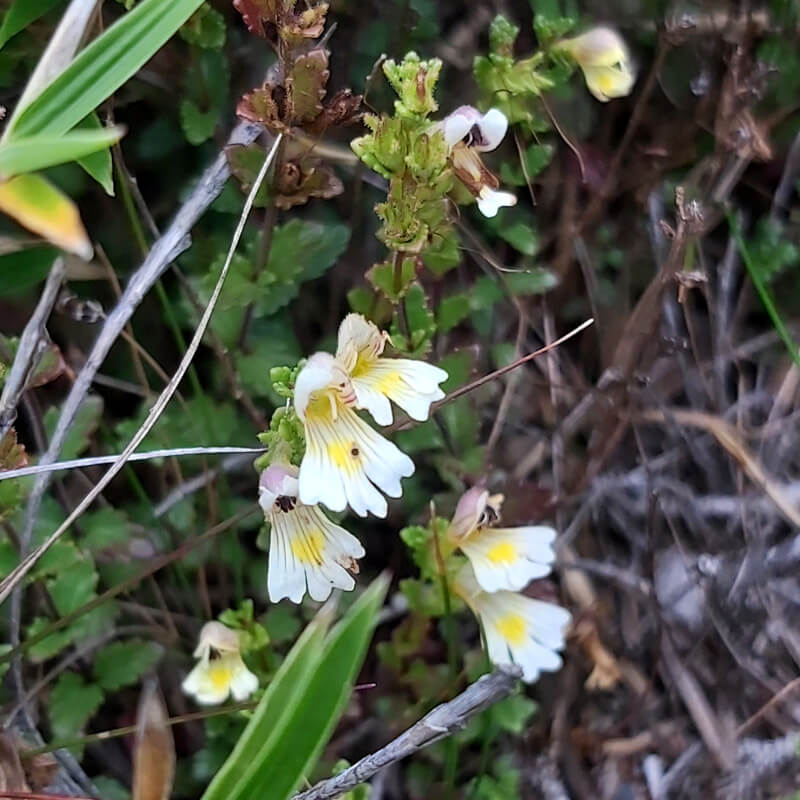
point(393, 287)
point(49, 646)
point(452, 310)
point(86, 421)
point(25, 268)
point(73, 587)
point(72, 703)
point(124, 663)
point(104, 528)
point(513, 713)
point(99, 165)
point(205, 28)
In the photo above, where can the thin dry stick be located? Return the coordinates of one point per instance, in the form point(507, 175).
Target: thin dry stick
point(443, 721)
point(174, 241)
point(32, 344)
point(155, 412)
point(94, 461)
point(729, 438)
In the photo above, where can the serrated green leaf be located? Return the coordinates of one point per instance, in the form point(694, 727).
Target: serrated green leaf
point(512, 713)
point(101, 68)
point(452, 310)
point(124, 663)
point(205, 28)
point(72, 703)
point(86, 421)
point(73, 587)
point(50, 645)
point(104, 528)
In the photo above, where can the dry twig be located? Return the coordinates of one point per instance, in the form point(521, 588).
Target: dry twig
point(443, 721)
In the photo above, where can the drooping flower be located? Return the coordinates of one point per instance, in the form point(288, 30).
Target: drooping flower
point(412, 385)
point(468, 133)
point(220, 670)
point(346, 462)
point(603, 56)
point(518, 629)
point(306, 549)
point(502, 558)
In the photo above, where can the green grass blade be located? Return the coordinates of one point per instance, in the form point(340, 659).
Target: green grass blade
point(20, 14)
point(290, 753)
point(102, 67)
point(763, 290)
point(290, 680)
point(39, 152)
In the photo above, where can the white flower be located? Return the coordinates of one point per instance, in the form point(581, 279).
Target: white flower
point(502, 558)
point(412, 385)
point(468, 133)
point(518, 629)
point(345, 462)
point(306, 549)
point(603, 56)
point(483, 132)
point(220, 671)
point(510, 558)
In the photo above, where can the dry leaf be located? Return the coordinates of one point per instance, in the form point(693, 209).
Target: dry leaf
point(154, 751)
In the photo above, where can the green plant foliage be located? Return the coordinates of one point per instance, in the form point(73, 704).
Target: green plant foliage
point(20, 14)
point(301, 706)
point(206, 95)
point(100, 69)
point(72, 703)
point(124, 663)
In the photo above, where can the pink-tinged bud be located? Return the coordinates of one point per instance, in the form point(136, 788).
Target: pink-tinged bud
point(468, 513)
point(216, 636)
point(277, 480)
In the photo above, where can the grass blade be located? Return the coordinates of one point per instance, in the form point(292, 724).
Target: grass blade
point(39, 152)
point(102, 67)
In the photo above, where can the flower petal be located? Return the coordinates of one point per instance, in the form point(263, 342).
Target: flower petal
point(518, 629)
point(509, 558)
point(493, 125)
point(243, 682)
point(346, 460)
point(490, 201)
point(606, 83)
point(412, 385)
point(307, 550)
point(457, 125)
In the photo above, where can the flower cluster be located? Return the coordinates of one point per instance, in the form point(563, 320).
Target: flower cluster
point(501, 562)
point(346, 461)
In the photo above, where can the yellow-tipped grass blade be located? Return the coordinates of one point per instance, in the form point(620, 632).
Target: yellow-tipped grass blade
point(37, 205)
